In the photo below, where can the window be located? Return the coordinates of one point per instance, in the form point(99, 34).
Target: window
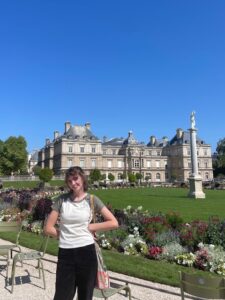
point(69, 162)
point(206, 175)
point(189, 152)
point(148, 164)
point(158, 177)
point(205, 152)
point(206, 164)
point(93, 163)
point(142, 163)
point(81, 148)
point(165, 164)
point(104, 152)
point(189, 164)
point(158, 153)
point(157, 164)
point(114, 152)
point(149, 175)
point(120, 163)
point(119, 175)
point(82, 163)
point(93, 148)
point(109, 163)
point(70, 148)
point(136, 163)
point(150, 153)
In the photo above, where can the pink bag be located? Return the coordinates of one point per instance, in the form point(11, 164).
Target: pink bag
point(102, 280)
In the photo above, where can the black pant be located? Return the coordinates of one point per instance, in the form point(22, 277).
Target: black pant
point(76, 268)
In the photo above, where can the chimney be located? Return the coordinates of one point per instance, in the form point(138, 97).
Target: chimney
point(47, 142)
point(88, 125)
point(152, 139)
point(56, 134)
point(179, 133)
point(67, 126)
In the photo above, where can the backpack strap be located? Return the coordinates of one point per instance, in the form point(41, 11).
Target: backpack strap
point(92, 208)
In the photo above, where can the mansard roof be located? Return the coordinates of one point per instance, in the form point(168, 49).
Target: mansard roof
point(114, 142)
point(158, 143)
point(80, 132)
point(184, 138)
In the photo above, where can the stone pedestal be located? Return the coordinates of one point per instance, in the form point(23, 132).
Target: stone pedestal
point(196, 188)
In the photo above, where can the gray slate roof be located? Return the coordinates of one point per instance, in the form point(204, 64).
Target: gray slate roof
point(80, 132)
point(185, 139)
point(114, 142)
point(158, 143)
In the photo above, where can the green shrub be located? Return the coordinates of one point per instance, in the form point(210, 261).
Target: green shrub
point(174, 219)
point(45, 174)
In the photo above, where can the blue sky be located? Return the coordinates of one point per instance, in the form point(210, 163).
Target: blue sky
point(120, 65)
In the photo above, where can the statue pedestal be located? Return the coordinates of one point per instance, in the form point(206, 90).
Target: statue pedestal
point(196, 188)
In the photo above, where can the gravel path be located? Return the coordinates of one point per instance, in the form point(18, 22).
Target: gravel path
point(29, 287)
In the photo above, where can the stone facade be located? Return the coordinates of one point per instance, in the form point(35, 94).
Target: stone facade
point(160, 160)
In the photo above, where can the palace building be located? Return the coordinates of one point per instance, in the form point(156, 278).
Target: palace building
point(159, 160)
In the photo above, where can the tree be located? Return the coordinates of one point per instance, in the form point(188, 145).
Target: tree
point(13, 155)
point(111, 177)
point(1, 151)
point(95, 175)
point(103, 177)
point(139, 177)
point(219, 161)
point(131, 178)
point(45, 174)
point(220, 149)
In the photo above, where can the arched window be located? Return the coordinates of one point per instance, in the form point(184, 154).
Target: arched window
point(119, 175)
point(206, 175)
point(158, 177)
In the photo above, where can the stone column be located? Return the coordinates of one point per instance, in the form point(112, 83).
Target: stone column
point(195, 179)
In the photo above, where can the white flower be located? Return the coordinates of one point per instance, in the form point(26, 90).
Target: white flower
point(200, 245)
point(211, 247)
point(128, 207)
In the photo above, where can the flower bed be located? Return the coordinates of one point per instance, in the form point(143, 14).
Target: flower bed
point(156, 236)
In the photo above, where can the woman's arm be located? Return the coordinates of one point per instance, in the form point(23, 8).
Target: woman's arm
point(110, 222)
point(49, 228)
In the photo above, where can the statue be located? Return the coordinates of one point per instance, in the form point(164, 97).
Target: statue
point(192, 120)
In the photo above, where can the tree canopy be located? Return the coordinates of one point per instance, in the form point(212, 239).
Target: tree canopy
point(13, 155)
point(219, 163)
point(45, 174)
point(95, 175)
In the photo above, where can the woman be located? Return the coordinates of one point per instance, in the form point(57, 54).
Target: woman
point(77, 262)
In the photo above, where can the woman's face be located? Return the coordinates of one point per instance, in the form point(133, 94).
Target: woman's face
point(75, 183)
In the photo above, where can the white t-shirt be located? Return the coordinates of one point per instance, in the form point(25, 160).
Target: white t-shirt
point(74, 220)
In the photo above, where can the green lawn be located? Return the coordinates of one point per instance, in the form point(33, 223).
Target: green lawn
point(167, 199)
point(29, 184)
